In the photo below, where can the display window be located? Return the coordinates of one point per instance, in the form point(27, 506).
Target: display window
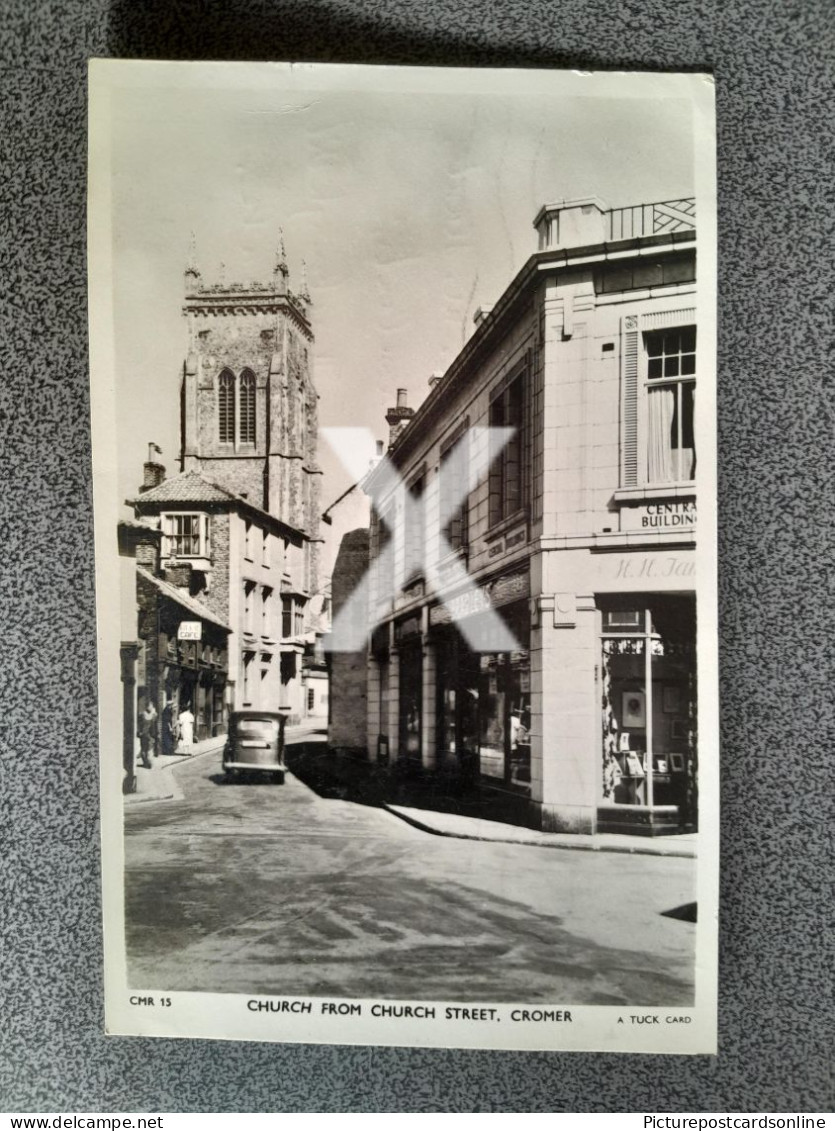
point(484, 712)
point(649, 704)
point(411, 696)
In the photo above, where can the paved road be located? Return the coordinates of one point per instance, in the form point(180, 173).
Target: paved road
point(258, 888)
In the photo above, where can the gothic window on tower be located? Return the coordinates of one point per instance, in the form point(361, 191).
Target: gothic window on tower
point(247, 423)
point(226, 408)
point(236, 407)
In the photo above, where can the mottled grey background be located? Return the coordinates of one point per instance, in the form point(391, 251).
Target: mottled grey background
point(772, 61)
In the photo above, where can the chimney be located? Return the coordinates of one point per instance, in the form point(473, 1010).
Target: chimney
point(153, 472)
point(399, 416)
point(435, 380)
point(481, 314)
point(380, 448)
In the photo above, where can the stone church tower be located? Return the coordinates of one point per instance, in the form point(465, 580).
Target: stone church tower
point(249, 406)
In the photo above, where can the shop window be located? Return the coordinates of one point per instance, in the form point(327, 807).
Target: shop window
point(186, 535)
point(410, 701)
point(670, 397)
point(508, 465)
point(648, 684)
point(483, 711)
point(455, 470)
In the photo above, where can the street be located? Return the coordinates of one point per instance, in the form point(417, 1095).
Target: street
point(264, 889)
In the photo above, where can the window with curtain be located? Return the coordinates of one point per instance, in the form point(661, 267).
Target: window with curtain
point(670, 401)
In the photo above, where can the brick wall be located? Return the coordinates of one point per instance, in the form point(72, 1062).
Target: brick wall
point(349, 675)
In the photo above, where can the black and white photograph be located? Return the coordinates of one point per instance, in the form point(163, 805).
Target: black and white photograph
point(406, 557)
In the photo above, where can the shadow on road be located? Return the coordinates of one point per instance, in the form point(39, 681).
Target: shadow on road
point(340, 777)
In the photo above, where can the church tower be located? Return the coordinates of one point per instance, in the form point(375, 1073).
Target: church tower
point(249, 406)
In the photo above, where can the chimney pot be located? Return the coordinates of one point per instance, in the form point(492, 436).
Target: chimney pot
point(402, 394)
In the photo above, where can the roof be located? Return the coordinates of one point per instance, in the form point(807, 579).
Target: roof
point(184, 599)
point(192, 489)
point(188, 487)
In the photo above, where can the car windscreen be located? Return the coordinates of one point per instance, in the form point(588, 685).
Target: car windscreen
point(264, 729)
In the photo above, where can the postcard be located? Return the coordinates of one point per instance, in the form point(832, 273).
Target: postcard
point(405, 512)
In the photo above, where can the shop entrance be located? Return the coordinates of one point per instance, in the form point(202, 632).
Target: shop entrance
point(649, 710)
point(484, 710)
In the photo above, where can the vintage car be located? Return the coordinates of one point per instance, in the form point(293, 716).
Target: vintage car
point(255, 745)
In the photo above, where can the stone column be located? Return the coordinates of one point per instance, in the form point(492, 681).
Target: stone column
point(565, 739)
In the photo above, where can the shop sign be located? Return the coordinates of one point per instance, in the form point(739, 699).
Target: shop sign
point(680, 514)
point(190, 630)
point(646, 571)
point(477, 600)
point(406, 628)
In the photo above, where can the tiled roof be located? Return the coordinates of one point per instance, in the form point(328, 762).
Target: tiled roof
point(182, 598)
point(190, 488)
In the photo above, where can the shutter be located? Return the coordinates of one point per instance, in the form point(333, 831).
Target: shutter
point(629, 401)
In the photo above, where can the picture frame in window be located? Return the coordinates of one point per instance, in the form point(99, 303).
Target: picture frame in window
point(634, 709)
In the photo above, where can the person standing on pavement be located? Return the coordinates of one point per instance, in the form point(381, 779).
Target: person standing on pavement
point(169, 729)
point(186, 723)
point(147, 734)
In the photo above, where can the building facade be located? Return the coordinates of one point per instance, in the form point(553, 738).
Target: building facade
point(580, 539)
point(247, 569)
point(239, 524)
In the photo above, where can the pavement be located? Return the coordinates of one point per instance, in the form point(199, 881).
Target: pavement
point(157, 782)
point(476, 828)
point(160, 784)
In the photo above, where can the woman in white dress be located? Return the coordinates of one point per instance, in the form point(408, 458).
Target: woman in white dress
point(186, 721)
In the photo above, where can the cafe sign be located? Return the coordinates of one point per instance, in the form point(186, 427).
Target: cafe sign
point(190, 630)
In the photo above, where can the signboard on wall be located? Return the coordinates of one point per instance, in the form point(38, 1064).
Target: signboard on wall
point(190, 630)
point(675, 515)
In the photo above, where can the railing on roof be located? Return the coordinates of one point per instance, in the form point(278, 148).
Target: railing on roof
point(651, 219)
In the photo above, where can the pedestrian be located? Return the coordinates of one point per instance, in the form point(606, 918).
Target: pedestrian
point(169, 728)
point(147, 734)
point(186, 724)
